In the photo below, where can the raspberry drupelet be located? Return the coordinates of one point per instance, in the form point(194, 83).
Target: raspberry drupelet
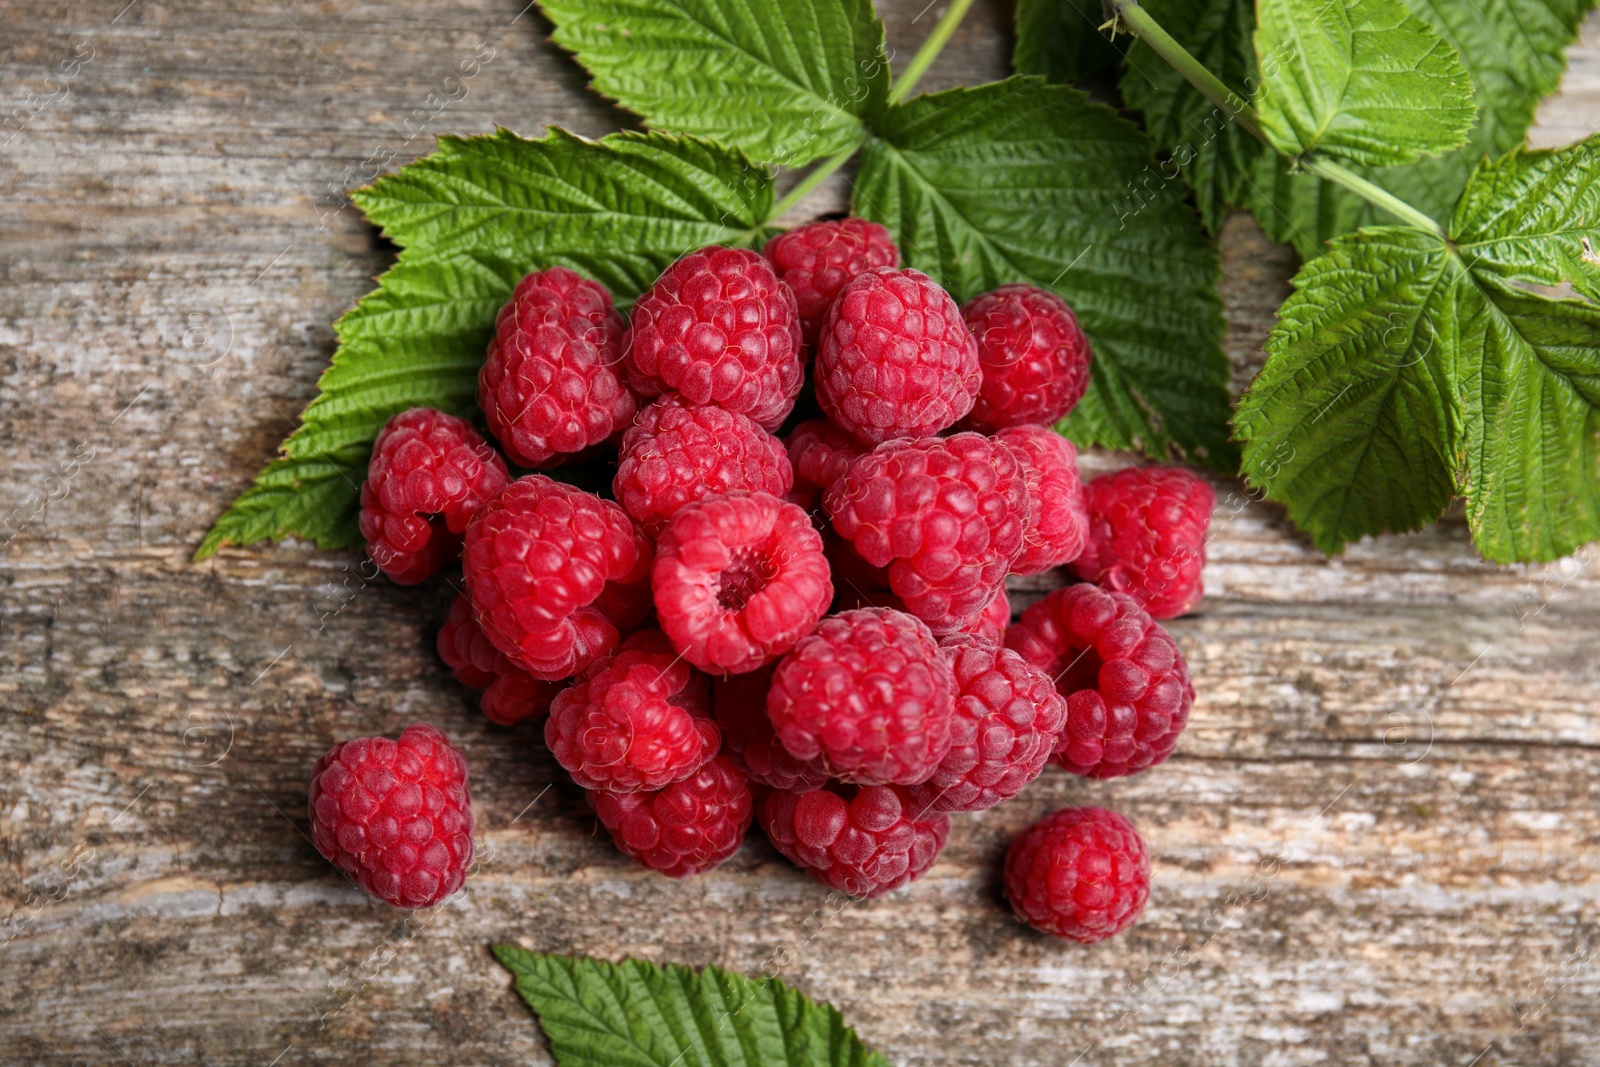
point(1082, 874)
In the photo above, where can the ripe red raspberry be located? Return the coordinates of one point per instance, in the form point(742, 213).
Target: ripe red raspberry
point(1007, 719)
point(510, 694)
point(718, 327)
point(1058, 521)
point(894, 358)
point(635, 721)
point(552, 385)
point(945, 515)
point(991, 625)
point(548, 568)
point(864, 841)
point(1035, 358)
point(870, 694)
point(740, 705)
point(1081, 873)
point(738, 579)
point(395, 815)
point(1126, 683)
point(820, 258)
point(686, 828)
point(820, 453)
point(675, 454)
point(429, 474)
point(1147, 536)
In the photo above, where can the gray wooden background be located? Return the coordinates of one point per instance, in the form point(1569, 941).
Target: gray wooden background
point(1376, 843)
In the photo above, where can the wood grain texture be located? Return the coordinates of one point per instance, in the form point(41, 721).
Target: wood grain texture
point(1376, 844)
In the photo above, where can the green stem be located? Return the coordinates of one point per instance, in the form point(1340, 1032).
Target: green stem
point(1136, 20)
point(815, 177)
point(930, 49)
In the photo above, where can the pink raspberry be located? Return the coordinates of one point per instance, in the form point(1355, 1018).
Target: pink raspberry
point(738, 579)
point(718, 327)
point(945, 515)
point(548, 568)
point(395, 816)
point(551, 385)
point(1007, 718)
point(894, 358)
point(1058, 521)
point(1126, 683)
point(860, 840)
point(818, 259)
point(429, 474)
point(870, 694)
point(683, 829)
point(675, 454)
point(1035, 358)
point(510, 694)
point(740, 705)
point(820, 452)
point(635, 721)
point(1147, 536)
point(1081, 873)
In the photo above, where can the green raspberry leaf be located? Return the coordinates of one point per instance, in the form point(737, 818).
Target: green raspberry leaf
point(786, 80)
point(1061, 40)
point(474, 217)
point(639, 1014)
point(1021, 181)
point(1360, 79)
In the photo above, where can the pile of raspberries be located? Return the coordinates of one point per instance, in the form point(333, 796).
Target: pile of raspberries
point(810, 630)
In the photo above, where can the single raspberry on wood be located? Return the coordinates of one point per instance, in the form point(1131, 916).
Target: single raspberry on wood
point(820, 452)
point(869, 694)
point(674, 454)
point(1035, 358)
point(550, 571)
point(1006, 721)
point(860, 840)
point(510, 694)
point(718, 327)
point(1126, 683)
point(894, 358)
point(1058, 521)
point(739, 703)
point(738, 579)
point(945, 515)
point(395, 816)
point(1082, 874)
point(818, 259)
point(429, 474)
point(551, 385)
point(1147, 536)
point(683, 829)
point(635, 721)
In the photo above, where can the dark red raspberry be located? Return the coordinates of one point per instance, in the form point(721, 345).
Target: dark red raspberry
point(635, 721)
point(1007, 718)
point(510, 698)
point(1058, 522)
point(510, 694)
point(429, 474)
point(820, 258)
point(395, 816)
point(718, 327)
point(552, 385)
point(686, 828)
point(945, 515)
point(1147, 536)
point(864, 841)
point(675, 454)
point(870, 694)
point(1035, 358)
point(820, 453)
point(738, 579)
point(1126, 683)
point(740, 705)
point(1081, 873)
point(894, 358)
point(548, 568)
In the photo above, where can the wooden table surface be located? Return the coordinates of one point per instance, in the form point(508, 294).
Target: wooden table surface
point(1376, 843)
